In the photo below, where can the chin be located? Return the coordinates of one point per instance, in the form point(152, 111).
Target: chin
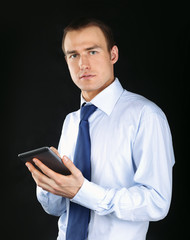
point(88, 86)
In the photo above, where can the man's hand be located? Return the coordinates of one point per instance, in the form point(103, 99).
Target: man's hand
point(65, 186)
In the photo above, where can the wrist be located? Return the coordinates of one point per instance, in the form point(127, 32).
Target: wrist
point(89, 195)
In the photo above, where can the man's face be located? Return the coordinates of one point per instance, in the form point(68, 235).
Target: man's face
point(89, 61)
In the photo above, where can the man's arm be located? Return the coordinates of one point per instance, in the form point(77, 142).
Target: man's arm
point(51, 203)
point(55, 183)
point(149, 197)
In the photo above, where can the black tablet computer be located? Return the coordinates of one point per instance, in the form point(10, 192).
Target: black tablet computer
point(47, 157)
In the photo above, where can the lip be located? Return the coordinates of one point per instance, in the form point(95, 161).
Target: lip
point(87, 76)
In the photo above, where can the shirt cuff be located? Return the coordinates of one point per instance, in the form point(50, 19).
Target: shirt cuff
point(42, 196)
point(90, 195)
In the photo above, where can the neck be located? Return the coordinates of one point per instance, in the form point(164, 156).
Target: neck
point(89, 95)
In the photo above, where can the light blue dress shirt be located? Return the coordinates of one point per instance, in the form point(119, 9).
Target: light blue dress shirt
point(131, 159)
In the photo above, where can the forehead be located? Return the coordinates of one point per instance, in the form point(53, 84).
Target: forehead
point(84, 38)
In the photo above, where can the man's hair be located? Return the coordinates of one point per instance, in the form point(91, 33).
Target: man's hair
point(82, 23)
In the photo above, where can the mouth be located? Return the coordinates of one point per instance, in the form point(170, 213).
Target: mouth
point(86, 76)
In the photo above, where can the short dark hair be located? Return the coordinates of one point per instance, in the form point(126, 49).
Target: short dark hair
point(81, 23)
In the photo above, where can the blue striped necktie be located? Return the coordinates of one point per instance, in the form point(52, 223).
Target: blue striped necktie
point(79, 216)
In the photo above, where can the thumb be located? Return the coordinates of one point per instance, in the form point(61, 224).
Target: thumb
point(55, 151)
point(70, 165)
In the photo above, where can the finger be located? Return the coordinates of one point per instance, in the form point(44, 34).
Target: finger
point(33, 169)
point(47, 171)
point(40, 179)
point(55, 151)
point(70, 165)
point(30, 167)
point(36, 174)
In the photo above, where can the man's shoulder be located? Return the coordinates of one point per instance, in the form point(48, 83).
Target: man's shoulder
point(136, 103)
point(73, 116)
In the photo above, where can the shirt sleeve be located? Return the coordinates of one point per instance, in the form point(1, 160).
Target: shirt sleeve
point(150, 196)
point(51, 203)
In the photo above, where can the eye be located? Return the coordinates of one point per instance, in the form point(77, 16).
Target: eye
point(93, 52)
point(73, 56)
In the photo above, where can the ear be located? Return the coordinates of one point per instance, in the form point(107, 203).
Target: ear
point(114, 54)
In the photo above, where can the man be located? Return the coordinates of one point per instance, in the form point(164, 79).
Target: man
point(131, 159)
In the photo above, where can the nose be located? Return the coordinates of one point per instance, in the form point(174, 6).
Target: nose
point(84, 62)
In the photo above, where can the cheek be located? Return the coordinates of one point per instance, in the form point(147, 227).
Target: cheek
point(104, 66)
point(73, 70)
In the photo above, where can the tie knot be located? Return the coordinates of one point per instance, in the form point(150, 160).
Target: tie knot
point(86, 111)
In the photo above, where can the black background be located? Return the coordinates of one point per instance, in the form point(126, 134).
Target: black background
point(37, 93)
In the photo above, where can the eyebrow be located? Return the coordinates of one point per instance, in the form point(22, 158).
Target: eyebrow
point(86, 49)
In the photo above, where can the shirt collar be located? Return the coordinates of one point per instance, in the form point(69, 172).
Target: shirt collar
point(107, 98)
